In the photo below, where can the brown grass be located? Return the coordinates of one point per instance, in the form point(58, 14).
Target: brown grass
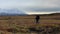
point(21, 24)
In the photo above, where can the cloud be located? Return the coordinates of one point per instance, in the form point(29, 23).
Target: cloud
point(48, 3)
point(46, 6)
point(29, 3)
point(16, 3)
point(25, 5)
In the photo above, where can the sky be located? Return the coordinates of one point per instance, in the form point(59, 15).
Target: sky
point(31, 5)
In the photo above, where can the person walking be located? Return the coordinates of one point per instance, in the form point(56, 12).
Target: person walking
point(37, 19)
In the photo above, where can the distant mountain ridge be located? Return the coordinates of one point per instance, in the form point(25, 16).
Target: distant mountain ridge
point(16, 12)
point(11, 12)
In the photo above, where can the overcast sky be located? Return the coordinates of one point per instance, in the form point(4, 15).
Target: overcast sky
point(28, 4)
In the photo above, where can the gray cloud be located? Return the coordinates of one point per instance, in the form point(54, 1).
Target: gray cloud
point(31, 5)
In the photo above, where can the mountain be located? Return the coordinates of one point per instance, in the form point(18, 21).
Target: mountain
point(11, 12)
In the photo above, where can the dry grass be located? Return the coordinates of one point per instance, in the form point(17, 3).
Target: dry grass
point(22, 24)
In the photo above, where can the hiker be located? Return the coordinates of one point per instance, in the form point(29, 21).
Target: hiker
point(37, 19)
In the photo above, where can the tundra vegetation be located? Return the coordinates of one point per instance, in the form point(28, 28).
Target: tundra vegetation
point(48, 24)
